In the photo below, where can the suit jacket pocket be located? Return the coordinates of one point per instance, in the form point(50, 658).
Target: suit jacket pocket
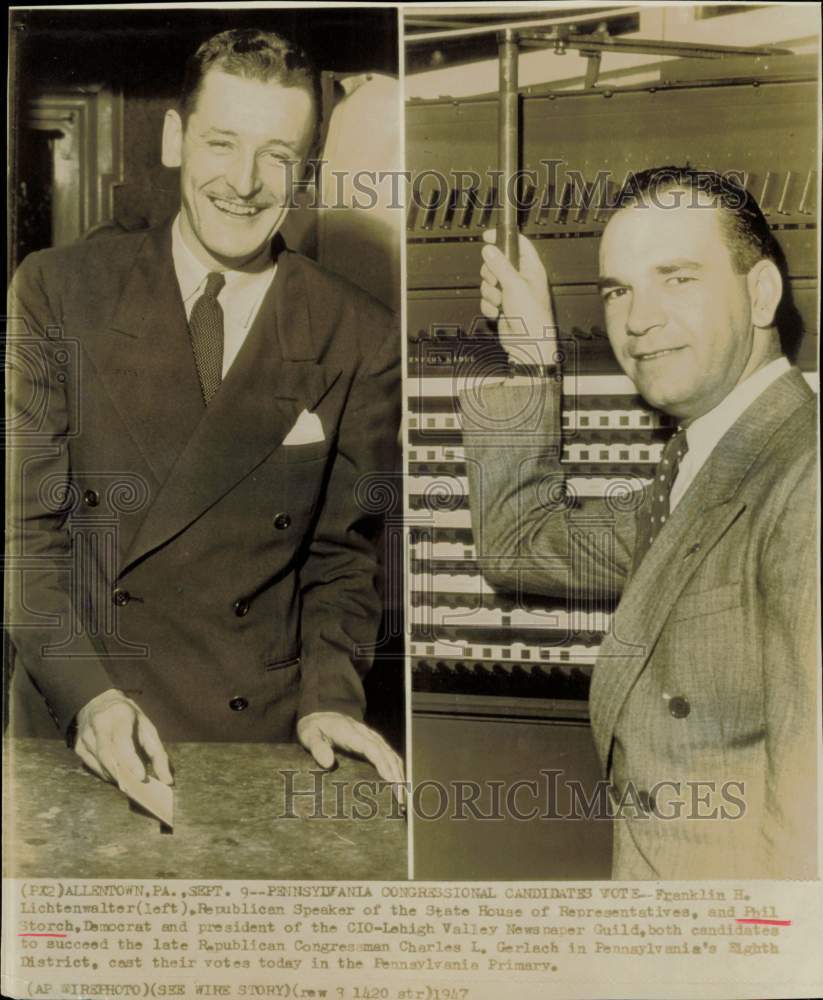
point(711, 658)
point(707, 602)
point(282, 664)
point(329, 413)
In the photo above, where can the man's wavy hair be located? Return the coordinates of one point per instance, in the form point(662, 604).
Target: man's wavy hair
point(255, 55)
point(745, 229)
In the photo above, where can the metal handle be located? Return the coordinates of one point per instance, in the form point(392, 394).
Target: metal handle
point(507, 123)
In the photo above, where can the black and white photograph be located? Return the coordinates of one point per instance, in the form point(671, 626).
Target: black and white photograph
point(203, 387)
point(412, 544)
point(612, 441)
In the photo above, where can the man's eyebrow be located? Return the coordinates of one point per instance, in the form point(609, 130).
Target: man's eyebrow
point(670, 267)
point(678, 265)
point(213, 130)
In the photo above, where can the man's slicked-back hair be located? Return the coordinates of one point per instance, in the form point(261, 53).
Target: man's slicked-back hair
point(255, 55)
point(746, 231)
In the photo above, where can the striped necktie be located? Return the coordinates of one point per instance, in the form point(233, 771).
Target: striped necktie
point(653, 515)
point(206, 331)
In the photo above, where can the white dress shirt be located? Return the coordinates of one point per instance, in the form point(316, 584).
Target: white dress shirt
point(239, 298)
point(704, 433)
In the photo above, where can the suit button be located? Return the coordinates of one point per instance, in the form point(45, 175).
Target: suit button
point(679, 707)
point(91, 498)
point(241, 607)
point(282, 521)
point(120, 597)
point(238, 704)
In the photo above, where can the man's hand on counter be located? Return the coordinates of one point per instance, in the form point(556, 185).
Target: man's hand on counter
point(520, 302)
point(320, 732)
point(110, 729)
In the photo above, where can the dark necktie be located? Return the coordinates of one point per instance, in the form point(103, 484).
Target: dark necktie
point(654, 514)
point(206, 330)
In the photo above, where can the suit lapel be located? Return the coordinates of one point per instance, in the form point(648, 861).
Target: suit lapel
point(707, 510)
point(146, 360)
point(274, 377)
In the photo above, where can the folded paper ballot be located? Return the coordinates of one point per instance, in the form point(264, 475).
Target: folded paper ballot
point(151, 794)
point(307, 429)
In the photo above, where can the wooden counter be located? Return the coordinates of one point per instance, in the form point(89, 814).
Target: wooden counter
point(231, 818)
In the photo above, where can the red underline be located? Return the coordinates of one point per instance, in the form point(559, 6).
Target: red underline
point(757, 920)
point(41, 935)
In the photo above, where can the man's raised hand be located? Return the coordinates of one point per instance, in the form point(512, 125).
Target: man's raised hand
point(520, 301)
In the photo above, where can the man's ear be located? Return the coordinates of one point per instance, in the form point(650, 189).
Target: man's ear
point(765, 291)
point(172, 139)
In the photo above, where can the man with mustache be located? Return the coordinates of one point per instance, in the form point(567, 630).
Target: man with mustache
point(226, 401)
point(704, 697)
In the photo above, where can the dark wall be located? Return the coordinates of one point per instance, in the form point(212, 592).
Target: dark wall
point(151, 191)
point(144, 50)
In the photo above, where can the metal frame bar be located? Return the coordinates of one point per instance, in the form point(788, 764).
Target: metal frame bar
point(494, 28)
point(507, 144)
point(563, 38)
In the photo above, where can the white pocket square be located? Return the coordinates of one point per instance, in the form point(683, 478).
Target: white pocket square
point(307, 429)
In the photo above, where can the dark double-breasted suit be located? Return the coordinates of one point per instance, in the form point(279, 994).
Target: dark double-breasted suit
point(703, 701)
point(224, 580)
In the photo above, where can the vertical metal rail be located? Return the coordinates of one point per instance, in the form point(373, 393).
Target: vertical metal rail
point(507, 147)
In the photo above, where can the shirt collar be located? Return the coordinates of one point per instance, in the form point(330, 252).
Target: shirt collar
point(244, 289)
point(705, 432)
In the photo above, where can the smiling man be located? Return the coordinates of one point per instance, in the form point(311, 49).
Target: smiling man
point(190, 437)
point(237, 140)
point(703, 701)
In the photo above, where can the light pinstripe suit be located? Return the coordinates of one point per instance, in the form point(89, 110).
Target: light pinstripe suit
point(709, 671)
